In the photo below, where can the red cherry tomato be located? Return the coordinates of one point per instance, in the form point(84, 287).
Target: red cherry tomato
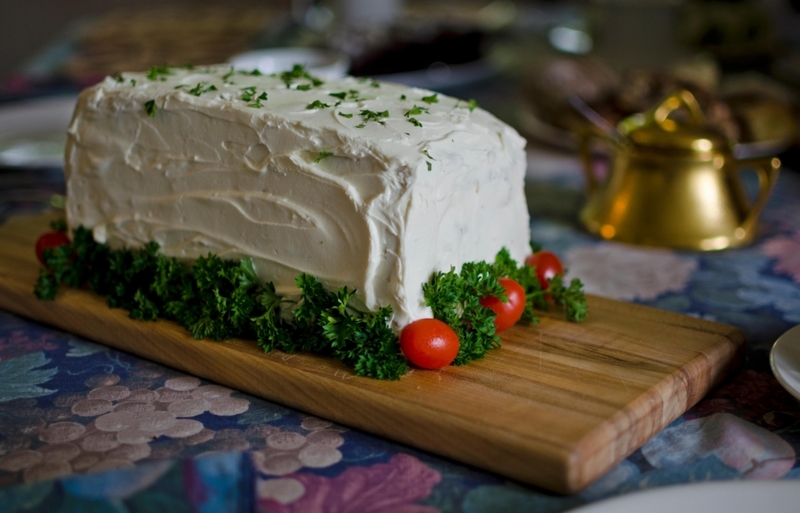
point(50, 240)
point(429, 343)
point(547, 266)
point(508, 313)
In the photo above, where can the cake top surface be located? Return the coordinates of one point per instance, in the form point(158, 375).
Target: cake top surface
point(355, 108)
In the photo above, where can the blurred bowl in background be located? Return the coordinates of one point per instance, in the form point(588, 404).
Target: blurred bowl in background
point(328, 64)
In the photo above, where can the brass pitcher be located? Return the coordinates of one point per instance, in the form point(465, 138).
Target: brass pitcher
point(673, 183)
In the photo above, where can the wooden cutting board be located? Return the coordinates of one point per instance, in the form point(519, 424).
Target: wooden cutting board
point(557, 406)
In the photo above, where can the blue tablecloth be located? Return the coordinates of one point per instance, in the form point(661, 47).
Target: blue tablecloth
point(87, 428)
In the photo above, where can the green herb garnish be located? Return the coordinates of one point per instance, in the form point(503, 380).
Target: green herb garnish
point(430, 166)
point(416, 111)
point(431, 99)
point(341, 95)
point(228, 75)
point(353, 95)
point(298, 72)
point(455, 300)
point(156, 72)
point(348, 116)
point(222, 299)
point(371, 115)
point(304, 87)
point(322, 156)
point(248, 93)
point(414, 122)
point(316, 104)
point(402, 97)
point(58, 225)
point(472, 104)
point(201, 88)
point(257, 103)
point(150, 108)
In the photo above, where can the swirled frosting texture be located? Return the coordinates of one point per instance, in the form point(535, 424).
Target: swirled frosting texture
point(372, 202)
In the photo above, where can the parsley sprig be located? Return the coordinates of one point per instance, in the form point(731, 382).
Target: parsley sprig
point(569, 296)
point(158, 72)
point(201, 88)
point(249, 95)
point(455, 300)
point(415, 111)
point(316, 104)
point(370, 115)
point(322, 156)
point(223, 299)
point(298, 72)
point(471, 104)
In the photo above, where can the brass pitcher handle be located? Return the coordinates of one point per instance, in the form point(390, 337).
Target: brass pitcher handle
point(675, 101)
point(767, 170)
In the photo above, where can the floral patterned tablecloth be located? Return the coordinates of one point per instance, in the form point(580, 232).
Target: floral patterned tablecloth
point(87, 428)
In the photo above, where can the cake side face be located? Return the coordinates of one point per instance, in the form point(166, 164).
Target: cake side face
point(372, 186)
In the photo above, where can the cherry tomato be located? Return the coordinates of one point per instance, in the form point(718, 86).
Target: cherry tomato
point(508, 313)
point(50, 240)
point(429, 343)
point(547, 266)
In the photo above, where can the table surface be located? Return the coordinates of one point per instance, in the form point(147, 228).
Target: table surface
point(178, 443)
point(186, 444)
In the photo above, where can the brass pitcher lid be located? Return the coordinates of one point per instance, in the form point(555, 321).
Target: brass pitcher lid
point(656, 130)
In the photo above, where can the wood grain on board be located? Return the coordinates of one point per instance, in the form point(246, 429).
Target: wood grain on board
point(557, 406)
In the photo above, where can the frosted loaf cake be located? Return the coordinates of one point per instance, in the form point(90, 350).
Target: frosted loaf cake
point(370, 185)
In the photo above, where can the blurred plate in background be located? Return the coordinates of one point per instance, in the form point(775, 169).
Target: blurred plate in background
point(785, 361)
point(33, 133)
point(328, 64)
point(727, 496)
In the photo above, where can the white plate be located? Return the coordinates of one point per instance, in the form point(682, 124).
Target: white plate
point(785, 361)
point(713, 497)
point(33, 133)
point(327, 64)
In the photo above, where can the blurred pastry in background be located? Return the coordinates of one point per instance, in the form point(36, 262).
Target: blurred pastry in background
point(764, 109)
point(641, 89)
point(746, 109)
point(424, 35)
point(548, 86)
point(737, 32)
point(135, 39)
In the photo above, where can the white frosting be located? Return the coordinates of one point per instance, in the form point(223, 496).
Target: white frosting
point(209, 173)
